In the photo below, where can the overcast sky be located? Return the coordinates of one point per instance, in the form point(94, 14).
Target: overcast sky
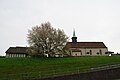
point(93, 20)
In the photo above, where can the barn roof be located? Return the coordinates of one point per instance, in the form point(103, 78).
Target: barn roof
point(19, 50)
point(86, 45)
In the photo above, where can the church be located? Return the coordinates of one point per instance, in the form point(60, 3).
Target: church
point(86, 48)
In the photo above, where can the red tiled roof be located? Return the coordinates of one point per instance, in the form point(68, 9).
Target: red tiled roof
point(86, 45)
point(19, 50)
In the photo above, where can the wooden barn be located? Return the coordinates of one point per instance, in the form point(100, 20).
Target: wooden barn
point(17, 52)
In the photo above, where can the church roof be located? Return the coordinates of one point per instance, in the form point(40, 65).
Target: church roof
point(86, 45)
point(19, 50)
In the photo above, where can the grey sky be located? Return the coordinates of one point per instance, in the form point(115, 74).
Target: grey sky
point(93, 20)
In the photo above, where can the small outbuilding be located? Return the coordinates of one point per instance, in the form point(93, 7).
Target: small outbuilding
point(17, 52)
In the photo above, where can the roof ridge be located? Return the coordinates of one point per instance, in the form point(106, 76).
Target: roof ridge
point(86, 45)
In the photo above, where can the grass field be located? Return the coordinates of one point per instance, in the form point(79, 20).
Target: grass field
point(47, 65)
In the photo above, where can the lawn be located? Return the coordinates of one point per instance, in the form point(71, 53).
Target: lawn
point(44, 67)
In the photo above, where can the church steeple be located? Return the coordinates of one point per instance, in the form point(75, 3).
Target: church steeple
point(74, 33)
point(74, 38)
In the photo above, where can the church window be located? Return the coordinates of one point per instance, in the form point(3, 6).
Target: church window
point(76, 54)
point(87, 53)
point(90, 52)
point(100, 52)
point(97, 53)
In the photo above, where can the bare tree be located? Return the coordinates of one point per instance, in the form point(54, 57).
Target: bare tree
point(45, 39)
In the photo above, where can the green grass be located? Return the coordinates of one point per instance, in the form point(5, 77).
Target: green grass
point(47, 66)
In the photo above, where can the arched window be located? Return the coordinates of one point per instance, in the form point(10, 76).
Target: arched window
point(75, 54)
point(90, 52)
point(100, 52)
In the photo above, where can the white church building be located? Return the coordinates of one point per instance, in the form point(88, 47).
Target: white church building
point(86, 48)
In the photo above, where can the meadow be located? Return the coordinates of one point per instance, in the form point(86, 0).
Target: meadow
point(47, 66)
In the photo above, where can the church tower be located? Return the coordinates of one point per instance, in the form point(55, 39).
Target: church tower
point(74, 38)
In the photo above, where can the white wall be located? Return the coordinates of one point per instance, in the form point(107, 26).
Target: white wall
point(94, 52)
point(15, 55)
point(76, 54)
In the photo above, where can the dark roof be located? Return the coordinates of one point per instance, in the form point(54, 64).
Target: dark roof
point(110, 52)
point(86, 45)
point(19, 50)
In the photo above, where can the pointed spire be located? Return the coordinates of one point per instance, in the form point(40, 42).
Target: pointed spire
point(74, 38)
point(74, 33)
